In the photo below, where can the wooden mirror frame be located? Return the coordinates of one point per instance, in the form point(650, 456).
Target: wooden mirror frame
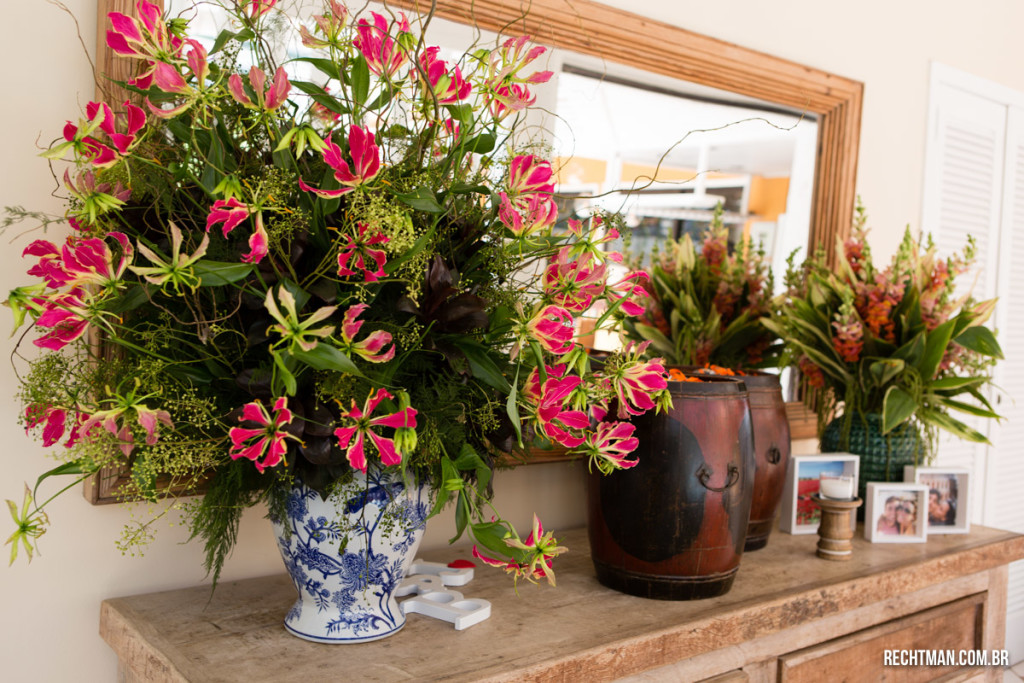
point(601, 31)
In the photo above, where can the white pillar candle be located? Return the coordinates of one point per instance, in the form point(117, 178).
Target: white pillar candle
point(837, 488)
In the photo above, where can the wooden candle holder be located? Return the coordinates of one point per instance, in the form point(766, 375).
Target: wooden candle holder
point(835, 530)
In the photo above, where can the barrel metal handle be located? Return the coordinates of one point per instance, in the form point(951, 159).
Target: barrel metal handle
point(704, 475)
point(774, 455)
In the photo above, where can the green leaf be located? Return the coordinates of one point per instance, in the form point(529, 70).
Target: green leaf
point(897, 407)
point(422, 199)
point(461, 515)
point(217, 273)
point(284, 374)
point(934, 349)
point(189, 373)
point(980, 340)
point(359, 79)
point(469, 460)
point(939, 419)
point(967, 408)
point(885, 369)
point(326, 357)
point(481, 364)
point(242, 36)
point(657, 339)
point(512, 409)
point(135, 296)
point(491, 535)
point(73, 467)
point(949, 383)
point(320, 96)
point(324, 66)
point(481, 144)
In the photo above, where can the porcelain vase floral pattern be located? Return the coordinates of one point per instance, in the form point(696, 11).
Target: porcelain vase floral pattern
point(348, 553)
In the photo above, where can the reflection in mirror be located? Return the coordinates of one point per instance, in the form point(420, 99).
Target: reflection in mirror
point(665, 154)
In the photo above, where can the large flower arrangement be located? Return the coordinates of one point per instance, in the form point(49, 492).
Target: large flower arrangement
point(901, 341)
point(261, 286)
point(706, 305)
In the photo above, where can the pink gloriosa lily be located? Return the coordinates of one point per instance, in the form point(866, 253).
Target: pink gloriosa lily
point(626, 290)
point(53, 419)
point(573, 283)
point(330, 24)
point(145, 38)
point(610, 445)
point(384, 56)
point(365, 163)
point(267, 99)
point(527, 214)
point(368, 349)
point(352, 439)
point(528, 174)
point(80, 261)
point(556, 421)
point(446, 84)
point(109, 420)
point(539, 550)
point(358, 255)
point(299, 335)
point(230, 212)
point(553, 328)
point(267, 441)
point(636, 382)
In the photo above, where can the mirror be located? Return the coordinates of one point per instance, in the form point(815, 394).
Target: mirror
point(607, 37)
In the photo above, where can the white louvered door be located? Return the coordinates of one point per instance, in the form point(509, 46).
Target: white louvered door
point(1004, 505)
point(962, 196)
point(974, 184)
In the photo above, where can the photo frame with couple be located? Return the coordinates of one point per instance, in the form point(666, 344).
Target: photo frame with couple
point(896, 512)
point(949, 497)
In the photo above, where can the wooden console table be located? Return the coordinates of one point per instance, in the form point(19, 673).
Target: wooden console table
point(789, 617)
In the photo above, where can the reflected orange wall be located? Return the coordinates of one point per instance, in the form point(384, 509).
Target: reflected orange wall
point(768, 197)
point(579, 171)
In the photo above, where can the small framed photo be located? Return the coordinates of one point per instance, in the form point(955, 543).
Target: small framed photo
point(800, 514)
point(896, 512)
point(949, 497)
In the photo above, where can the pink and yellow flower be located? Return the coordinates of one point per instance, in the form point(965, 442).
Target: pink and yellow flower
point(113, 420)
point(330, 24)
point(574, 282)
point(538, 551)
point(353, 439)
point(231, 213)
point(359, 252)
point(527, 213)
point(446, 84)
point(553, 328)
point(528, 173)
point(384, 55)
point(266, 99)
point(610, 445)
point(267, 441)
point(365, 163)
point(369, 348)
point(145, 38)
point(636, 382)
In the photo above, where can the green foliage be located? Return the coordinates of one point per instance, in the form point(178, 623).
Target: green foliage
point(901, 341)
point(707, 305)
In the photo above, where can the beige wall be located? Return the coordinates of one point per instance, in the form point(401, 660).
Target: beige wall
point(51, 608)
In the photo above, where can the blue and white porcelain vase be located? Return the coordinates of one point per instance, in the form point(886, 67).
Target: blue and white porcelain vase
point(347, 555)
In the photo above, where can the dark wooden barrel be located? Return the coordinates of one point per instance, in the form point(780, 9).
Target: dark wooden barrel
point(771, 454)
point(673, 527)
